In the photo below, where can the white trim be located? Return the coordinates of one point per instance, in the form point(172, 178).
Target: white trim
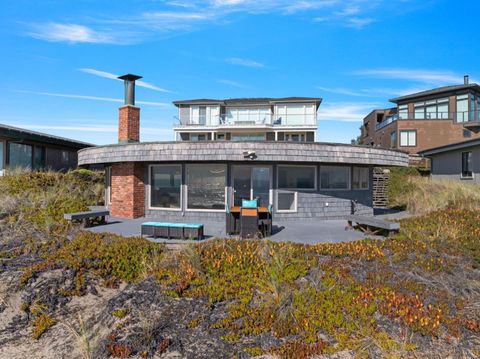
point(337, 189)
point(149, 191)
point(186, 189)
point(315, 167)
point(108, 188)
point(295, 202)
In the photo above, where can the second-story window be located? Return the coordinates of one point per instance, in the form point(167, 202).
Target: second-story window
point(431, 109)
point(462, 108)
point(295, 114)
point(403, 112)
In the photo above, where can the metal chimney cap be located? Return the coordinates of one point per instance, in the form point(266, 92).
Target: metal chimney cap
point(129, 77)
point(466, 79)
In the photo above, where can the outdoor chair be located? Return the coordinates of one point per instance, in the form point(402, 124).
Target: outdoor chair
point(248, 222)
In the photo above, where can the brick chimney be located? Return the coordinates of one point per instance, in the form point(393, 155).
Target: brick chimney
point(129, 114)
point(128, 178)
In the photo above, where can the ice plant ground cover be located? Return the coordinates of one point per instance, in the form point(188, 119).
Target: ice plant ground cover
point(415, 294)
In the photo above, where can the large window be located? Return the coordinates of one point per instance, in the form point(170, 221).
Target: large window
point(295, 114)
point(408, 138)
point(248, 137)
point(39, 157)
point(165, 186)
point(360, 178)
point(295, 137)
point(248, 115)
point(198, 137)
point(20, 155)
point(467, 165)
point(297, 177)
point(403, 112)
point(334, 177)
point(432, 109)
point(206, 186)
point(462, 108)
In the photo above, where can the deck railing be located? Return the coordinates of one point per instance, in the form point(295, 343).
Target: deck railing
point(249, 120)
point(458, 117)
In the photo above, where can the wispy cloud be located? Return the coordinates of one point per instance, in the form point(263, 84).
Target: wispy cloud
point(372, 92)
point(359, 23)
point(71, 33)
point(345, 111)
point(88, 97)
point(179, 16)
point(418, 75)
point(244, 62)
point(231, 83)
point(109, 75)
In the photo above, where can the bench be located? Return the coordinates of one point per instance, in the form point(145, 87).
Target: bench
point(172, 230)
point(87, 217)
point(366, 224)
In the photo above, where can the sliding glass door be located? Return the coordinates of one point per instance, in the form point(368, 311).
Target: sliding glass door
point(251, 182)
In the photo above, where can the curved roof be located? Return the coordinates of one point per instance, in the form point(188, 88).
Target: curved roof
point(230, 151)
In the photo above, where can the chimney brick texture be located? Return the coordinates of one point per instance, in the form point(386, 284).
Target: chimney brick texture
point(128, 124)
point(128, 190)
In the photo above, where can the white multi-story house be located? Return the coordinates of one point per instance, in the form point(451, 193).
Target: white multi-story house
point(247, 119)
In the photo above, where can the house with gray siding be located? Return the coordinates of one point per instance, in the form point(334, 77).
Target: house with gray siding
point(197, 177)
point(21, 148)
point(458, 161)
point(287, 119)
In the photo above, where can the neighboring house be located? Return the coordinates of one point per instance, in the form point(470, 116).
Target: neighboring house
point(247, 119)
point(425, 119)
point(195, 179)
point(456, 161)
point(38, 151)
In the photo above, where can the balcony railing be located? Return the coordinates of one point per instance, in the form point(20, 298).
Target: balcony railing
point(458, 117)
point(267, 120)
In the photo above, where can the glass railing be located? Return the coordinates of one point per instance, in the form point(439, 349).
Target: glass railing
point(249, 120)
point(459, 117)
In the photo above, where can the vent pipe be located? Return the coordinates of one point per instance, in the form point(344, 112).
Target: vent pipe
point(465, 80)
point(129, 81)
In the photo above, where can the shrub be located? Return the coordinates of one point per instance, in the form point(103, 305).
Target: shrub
point(398, 185)
point(108, 255)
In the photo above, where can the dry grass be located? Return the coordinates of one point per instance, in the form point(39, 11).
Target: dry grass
point(427, 195)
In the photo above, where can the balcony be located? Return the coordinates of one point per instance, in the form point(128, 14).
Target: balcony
point(470, 119)
point(265, 120)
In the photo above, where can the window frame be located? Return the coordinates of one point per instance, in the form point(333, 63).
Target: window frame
point(290, 134)
point(149, 188)
point(462, 176)
point(295, 201)
point(185, 186)
point(368, 178)
point(408, 145)
point(298, 189)
point(108, 183)
point(349, 176)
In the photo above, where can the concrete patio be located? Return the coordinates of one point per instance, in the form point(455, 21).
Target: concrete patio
point(306, 232)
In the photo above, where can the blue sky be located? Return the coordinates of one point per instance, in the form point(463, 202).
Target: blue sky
point(59, 58)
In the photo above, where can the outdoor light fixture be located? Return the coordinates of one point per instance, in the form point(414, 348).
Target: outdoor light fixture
point(249, 155)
